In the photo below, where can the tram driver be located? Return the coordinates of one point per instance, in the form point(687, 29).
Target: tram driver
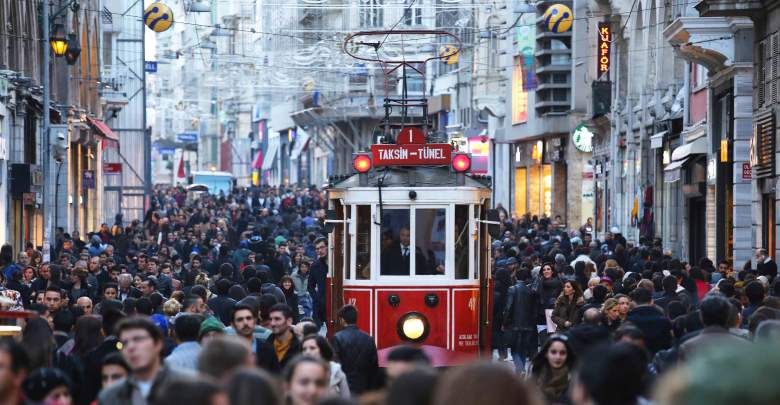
point(396, 257)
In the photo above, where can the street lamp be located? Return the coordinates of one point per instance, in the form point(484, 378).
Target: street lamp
point(58, 42)
point(74, 49)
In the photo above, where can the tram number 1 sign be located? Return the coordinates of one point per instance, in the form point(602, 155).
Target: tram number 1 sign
point(411, 154)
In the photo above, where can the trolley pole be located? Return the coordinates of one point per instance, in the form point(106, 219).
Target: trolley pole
point(48, 232)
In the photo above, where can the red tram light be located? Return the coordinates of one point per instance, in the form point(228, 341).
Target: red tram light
point(361, 163)
point(461, 162)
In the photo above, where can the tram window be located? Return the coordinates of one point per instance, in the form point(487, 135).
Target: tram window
point(363, 251)
point(430, 241)
point(395, 242)
point(461, 241)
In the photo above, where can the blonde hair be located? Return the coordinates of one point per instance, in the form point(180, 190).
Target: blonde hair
point(171, 307)
point(609, 304)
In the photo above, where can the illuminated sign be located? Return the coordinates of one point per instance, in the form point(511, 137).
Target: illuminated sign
point(582, 138)
point(519, 94)
point(411, 154)
point(604, 57)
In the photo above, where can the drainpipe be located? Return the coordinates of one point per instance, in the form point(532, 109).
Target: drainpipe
point(687, 95)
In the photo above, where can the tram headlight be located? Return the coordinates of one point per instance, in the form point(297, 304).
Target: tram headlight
point(413, 327)
point(461, 162)
point(361, 163)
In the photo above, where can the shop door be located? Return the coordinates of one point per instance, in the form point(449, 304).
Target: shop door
point(768, 223)
point(697, 223)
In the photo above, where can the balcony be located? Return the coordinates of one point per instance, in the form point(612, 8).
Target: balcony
point(734, 8)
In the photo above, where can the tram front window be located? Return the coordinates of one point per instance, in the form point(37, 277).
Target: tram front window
point(395, 243)
point(430, 240)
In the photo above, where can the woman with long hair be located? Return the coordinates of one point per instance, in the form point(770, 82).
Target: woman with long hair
point(548, 287)
point(38, 342)
point(567, 306)
point(87, 336)
point(288, 288)
point(611, 313)
point(552, 367)
point(317, 346)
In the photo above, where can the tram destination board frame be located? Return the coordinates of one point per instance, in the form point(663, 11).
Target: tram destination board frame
point(430, 154)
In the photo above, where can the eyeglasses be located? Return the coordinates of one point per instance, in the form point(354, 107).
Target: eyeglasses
point(135, 339)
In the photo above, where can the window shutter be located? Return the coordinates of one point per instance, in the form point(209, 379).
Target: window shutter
point(765, 146)
point(760, 76)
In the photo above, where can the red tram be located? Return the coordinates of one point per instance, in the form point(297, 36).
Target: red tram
point(410, 249)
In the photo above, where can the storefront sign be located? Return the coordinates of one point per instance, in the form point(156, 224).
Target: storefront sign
point(582, 138)
point(724, 150)
point(187, 137)
point(411, 155)
point(112, 168)
point(712, 171)
point(88, 179)
point(166, 151)
point(747, 171)
point(604, 41)
point(150, 66)
point(519, 94)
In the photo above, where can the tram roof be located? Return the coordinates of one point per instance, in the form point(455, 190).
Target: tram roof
point(411, 176)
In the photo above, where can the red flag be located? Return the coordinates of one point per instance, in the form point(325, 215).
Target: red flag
point(181, 173)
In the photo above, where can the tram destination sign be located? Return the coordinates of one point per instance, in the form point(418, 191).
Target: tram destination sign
point(411, 154)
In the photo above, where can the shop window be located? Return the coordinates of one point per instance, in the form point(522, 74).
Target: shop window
point(348, 243)
point(430, 241)
point(363, 242)
point(521, 206)
point(462, 241)
point(395, 248)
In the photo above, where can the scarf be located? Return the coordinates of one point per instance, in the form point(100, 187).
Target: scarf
point(554, 382)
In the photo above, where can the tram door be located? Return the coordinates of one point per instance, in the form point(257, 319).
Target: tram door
point(338, 252)
point(482, 264)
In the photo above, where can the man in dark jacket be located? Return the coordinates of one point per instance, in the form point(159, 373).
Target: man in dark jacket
point(142, 342)
point(243, 321)
point(357, 352)
point(650, 320)
point(317, 279)
point(285, 343)
point(520, 319)
point(589, 333)
point(222, 304)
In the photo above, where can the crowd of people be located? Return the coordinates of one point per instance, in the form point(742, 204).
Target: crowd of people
point(221, 300)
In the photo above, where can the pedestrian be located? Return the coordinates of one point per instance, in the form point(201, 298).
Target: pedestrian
point(243, 321)
point(483, 384)
point(317, 346)
point(286, 345)
point(552, 367)
point(650, 320)
point(520, 316)
point(251, 386)
point(142, 343)
point(48, 386)
point(566, 310)
point(191, 391)
point(357, 352)
point(305, 380)
point(185, 356)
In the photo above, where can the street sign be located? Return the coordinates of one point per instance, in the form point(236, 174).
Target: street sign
point(747, 171)
point(150, 66)
point(187, 137)
point(411, 155)
point(88, 179)
point(112, 168)
point(166, 151)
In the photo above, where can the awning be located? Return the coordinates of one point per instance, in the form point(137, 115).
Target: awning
point(104, 131)
point(697, 147)
point(673, 171)
point(258, 162)
point(657, 140)
point(270, 155)
point(301, 139)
